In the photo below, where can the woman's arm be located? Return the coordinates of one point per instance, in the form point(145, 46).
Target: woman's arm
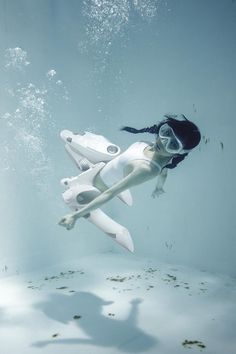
point(160, 183)
point(140, 173)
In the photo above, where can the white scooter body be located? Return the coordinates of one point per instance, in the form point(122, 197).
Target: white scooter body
point(94, 147)
point(90, 152)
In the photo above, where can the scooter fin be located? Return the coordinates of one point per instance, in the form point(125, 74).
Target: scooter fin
point(116, 231)
point(81, 162)
point(126, 197)
point(84, 178)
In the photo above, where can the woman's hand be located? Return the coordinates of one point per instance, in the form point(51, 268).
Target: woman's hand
point(68, 221)
point(157, 192)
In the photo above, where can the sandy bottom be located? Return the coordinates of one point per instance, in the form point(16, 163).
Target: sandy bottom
point(111, 304)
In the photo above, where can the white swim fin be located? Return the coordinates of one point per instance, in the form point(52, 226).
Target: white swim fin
point(126, 197)
point(116, 231)
point(85, 178)
point(81, 162)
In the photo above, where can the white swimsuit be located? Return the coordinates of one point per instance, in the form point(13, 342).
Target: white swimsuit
point(113, 171)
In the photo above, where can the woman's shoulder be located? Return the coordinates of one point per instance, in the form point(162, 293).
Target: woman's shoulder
point(142, 143)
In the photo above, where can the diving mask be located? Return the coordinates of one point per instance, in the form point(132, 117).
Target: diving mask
point(169, 140)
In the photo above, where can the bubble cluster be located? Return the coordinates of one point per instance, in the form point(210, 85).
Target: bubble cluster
point(51, 73)
point(16, 58)
point(106, 18)
point(34, 148)
point(146, 8)
point(24, 137)
point(26, 126)
point(32, 103)
point(56, 86)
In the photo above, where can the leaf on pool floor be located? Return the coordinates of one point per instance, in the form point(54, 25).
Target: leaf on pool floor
point(189, 343)
point(62, 288)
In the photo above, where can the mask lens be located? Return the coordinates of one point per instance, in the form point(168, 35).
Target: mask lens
point(169, 140)
point(165, 131)
point(173, 145)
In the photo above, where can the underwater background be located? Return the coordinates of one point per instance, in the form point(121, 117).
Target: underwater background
point(96, 65)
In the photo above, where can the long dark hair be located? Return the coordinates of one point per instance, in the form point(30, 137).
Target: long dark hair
point(186, 131)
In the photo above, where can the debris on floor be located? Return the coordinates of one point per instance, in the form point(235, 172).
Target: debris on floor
point(190, 343)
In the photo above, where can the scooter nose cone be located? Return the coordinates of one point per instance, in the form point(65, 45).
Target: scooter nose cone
point(66, 135)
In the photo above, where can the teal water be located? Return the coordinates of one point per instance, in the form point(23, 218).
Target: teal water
point(97, 65)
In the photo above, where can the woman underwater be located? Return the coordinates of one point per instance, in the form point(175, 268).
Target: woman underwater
point(141, 162)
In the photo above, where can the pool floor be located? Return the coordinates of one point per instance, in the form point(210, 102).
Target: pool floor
point(111, 303)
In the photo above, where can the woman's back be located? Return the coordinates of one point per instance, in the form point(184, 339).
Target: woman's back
point(113, 171)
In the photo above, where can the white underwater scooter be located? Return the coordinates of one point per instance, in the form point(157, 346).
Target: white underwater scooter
point(90, 152)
